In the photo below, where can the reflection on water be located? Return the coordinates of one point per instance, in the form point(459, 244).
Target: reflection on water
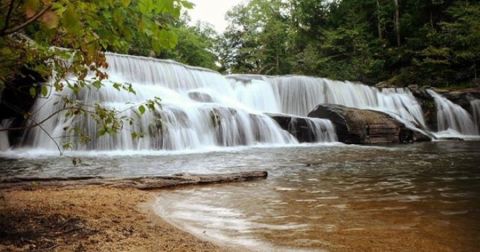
point(422, 197)
point(418, 197)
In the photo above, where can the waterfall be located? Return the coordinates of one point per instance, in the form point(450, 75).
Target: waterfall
point(323, 130)
point(298, 95)
point(451, 116)
point(257, 94)
point(199, 108)
point(476, 112)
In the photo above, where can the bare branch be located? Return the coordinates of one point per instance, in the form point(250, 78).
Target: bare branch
point(7, 17)
point(35, 124)
point(29, 21)
point(51, 138)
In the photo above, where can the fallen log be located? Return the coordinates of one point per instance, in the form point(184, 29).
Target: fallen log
point(142, 183)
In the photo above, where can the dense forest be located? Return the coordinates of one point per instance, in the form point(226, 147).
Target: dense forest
point(434, 42)
point(400, 42)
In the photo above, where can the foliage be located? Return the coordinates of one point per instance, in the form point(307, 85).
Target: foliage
point(195, 44)
point(35, 33)
point(436, 42)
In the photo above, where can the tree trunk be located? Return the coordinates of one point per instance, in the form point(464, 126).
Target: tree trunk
point(397, 22)
point(278, 63)
point(379, 21)
point(431, 19)
point(475, 71)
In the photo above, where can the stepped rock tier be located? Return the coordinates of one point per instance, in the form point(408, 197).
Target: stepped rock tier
point(202, 109)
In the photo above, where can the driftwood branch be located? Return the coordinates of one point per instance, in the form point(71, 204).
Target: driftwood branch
point(142, 183)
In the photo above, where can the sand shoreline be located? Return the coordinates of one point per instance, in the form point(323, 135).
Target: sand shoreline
point(88, 218)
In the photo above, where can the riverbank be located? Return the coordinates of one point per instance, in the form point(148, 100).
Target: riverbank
point(87, 218)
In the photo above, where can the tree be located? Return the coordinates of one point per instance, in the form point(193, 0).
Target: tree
point(396, 20)
point(257, 39)
point(404, 42)
point(195, 44)
point(34, 35)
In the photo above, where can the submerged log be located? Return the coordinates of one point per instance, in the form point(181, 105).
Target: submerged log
point(142, 183)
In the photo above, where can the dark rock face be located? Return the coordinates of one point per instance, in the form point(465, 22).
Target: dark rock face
point(360, 126)
point(428, 106)
point(297, 126)
point(16, 100)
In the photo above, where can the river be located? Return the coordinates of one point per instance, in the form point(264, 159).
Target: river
point(317, 197)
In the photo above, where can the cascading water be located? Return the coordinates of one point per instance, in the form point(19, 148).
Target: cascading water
point(322, 130)
point(452, 117)
point(300, 94)
point(476, 112)
point(199, 109)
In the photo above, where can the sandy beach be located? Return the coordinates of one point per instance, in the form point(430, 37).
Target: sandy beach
point(87, 218)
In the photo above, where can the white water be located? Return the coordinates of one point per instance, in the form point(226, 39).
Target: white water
point(202, 109)
point(298, 95)
point(182, 123)
point(451, 118)
point(476, 112)
point(323, 130)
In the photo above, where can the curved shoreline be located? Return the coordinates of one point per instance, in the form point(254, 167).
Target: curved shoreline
point(88, 218)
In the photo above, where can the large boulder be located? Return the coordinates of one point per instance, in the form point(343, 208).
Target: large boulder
point(16, 100)
point(361, 126)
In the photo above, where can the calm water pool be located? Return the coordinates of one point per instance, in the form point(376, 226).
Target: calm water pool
point(335, 197)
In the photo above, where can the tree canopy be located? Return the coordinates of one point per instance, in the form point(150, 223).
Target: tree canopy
point(55, 39)
point(404, 42)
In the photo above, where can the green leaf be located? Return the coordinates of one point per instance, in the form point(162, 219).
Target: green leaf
point(33, 91)
point(67, 145)
point(141, 109)
point(71, 21)
point(126, 3)
point(44, 91)
point(117, 86)
point(97, 84)
point(187, 4)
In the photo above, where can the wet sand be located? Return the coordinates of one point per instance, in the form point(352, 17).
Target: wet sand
point(87, 218)
point(95, 218)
